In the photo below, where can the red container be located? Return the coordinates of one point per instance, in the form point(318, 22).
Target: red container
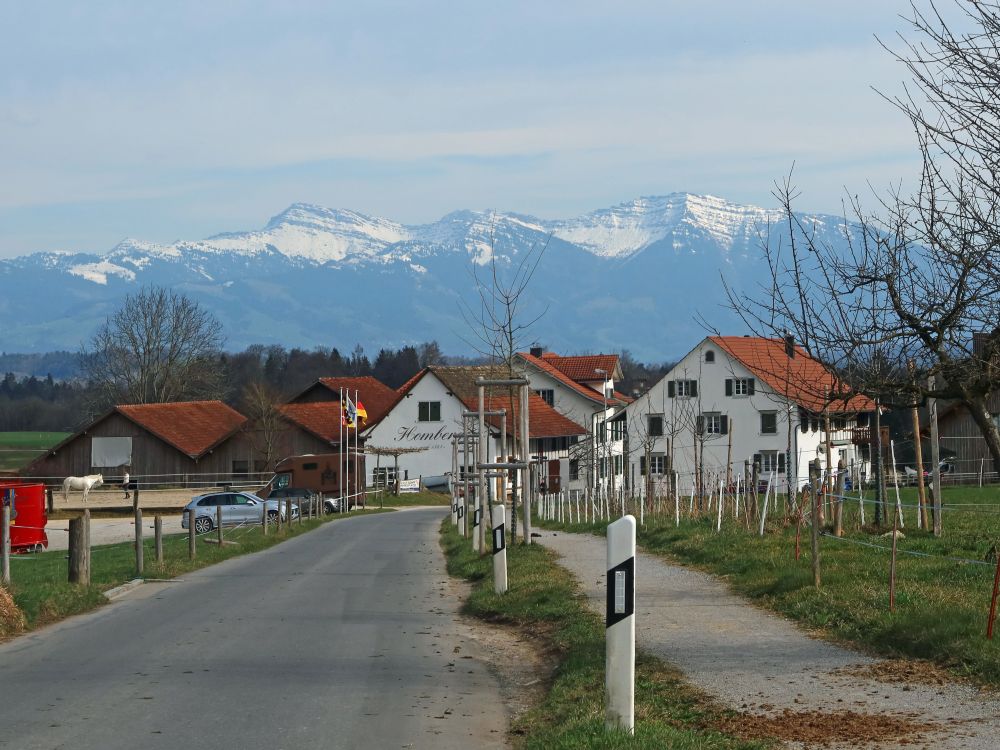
point(27, 515)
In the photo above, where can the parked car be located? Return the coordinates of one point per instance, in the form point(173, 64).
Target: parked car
point(302, 495)
point(237, 508)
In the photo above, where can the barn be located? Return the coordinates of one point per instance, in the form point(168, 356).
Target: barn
point(188, 443)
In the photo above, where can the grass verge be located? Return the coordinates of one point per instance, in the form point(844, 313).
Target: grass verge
point(543, 601)
point(410, 499)
point(41, 591)
point(941, 602)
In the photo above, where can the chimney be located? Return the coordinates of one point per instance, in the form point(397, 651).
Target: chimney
point(536, 351)
point(789, 345)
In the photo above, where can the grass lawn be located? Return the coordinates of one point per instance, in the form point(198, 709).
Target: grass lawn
point(18, 448)
point(39, 581)
point(543, 601)
point(942, 592)
point(409, 499)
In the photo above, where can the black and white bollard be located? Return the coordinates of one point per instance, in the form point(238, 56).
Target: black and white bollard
point(619, 678)
point(454, 510)
point(461, 520)
point(477, 518)
point(499, 517)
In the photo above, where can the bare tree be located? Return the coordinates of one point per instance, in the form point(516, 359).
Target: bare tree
point(919, 278)
point(260, 405)
point(160, 346)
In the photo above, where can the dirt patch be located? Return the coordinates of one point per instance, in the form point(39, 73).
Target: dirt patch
point(521, 664)
point(824, 729)
point(904, 671)
point(11, 617)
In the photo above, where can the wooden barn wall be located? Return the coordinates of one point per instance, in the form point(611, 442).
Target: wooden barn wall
point(959, 433)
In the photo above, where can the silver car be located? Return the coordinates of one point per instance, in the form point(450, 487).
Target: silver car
point(238, 508)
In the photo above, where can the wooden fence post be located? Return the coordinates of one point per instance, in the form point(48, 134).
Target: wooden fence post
point(50, 500)
point(79, 549)
point(192, 539)
point(263, 519)
point(218, 523)
point(138, 542)
point(5, 546)
point(158, 536)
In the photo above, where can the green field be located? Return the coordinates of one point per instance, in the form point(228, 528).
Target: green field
point(943, 584)
point(19, 448)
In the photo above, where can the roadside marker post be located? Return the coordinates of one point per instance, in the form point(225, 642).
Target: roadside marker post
point(461, 520)
point(499, 518)
point(477, 513)
point(619, 678)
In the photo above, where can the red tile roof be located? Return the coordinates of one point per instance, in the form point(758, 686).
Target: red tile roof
point(583, 369)
point(192, 427)
point(801, 378)
point(543, 420)
point(376, 397)
point(544, 364)
point(320, 418)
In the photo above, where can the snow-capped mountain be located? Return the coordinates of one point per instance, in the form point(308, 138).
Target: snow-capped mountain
point(632, 276)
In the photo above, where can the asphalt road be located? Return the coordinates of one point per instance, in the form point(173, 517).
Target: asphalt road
point(343, 638)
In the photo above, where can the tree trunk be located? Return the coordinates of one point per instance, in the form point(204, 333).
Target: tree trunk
point(981, 416)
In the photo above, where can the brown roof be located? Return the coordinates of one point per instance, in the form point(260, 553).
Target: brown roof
point(192, 427)
point(801, 378)
point(583, 368)
point(320, 418)
point(375, 395)
point(544, 421)
point(544, 363)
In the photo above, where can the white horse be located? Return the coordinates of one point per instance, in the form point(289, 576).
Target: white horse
point(86, 484)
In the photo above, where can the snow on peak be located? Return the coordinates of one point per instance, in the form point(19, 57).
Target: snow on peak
point(99, 272)
point(629, 227)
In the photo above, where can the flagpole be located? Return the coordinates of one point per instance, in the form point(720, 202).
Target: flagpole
point(340, 448)
point(358, 477)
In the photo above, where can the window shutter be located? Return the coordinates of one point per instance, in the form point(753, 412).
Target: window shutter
point(756, 460)
point(724, 425)
point(750, 385)
point(694, 387)
point(642, 466)
point(781, 463)
point(729, 386)
point(670, 388)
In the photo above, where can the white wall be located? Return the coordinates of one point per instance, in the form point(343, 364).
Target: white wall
point(401, 429)
point(744, 437)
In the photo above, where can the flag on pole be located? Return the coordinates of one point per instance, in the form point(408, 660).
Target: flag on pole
point(350, 412)
point(361, 411)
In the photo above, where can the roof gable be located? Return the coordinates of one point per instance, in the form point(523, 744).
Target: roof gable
point(584, 368)
point(192, 427)
point(544, 365)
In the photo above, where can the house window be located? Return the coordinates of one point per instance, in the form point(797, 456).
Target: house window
point(840, 423)
point(602, 468)
point(547, 395)
point(682, 388)
point(770, 462)
point(654, 425)
point(574, 469)
point(657, 464)
point(429, 411)
point(709, 356)
point(618, 429)
point(712, 423)
point(740, 386)
point(769, 423)
point(617, 463)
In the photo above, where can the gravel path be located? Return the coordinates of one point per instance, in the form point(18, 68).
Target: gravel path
point(760, 663)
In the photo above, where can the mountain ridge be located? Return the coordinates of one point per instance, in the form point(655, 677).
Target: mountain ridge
point(605, 279)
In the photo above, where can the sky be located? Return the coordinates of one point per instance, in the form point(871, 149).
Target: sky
point(179, 120)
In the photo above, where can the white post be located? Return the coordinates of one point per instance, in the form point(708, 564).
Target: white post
point(763, 511)
point(454, 482)
point(718, 523)
point(619, 678)
point(499, 517)
point(677, 499)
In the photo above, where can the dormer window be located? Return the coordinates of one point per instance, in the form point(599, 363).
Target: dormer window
point(709, 356)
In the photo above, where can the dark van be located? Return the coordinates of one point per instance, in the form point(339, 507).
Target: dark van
point(319, 473)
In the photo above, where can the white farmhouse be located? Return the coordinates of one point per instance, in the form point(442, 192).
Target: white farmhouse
point(738, 400)
point(582, 389)
point(427, 414)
